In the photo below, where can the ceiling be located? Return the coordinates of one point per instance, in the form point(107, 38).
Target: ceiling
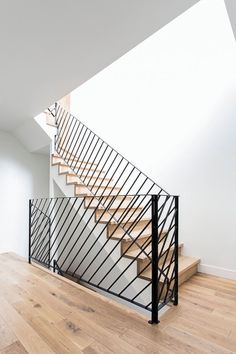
point(48, 48)
point(231, 8)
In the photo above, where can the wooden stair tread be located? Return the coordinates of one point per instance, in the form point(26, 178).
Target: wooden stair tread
point(73, 160)
point(118, 214)
point(64, 169)
point(148, 249)
point(115, 202)
point(185, 263)
point(80, 182)
point(121, 208)
point(66, 152)
point(131, 220)
point(88, 193)
point(77, 167)
point(145, 234)
point(73, 174)
point(92, 186)
point(135, 253)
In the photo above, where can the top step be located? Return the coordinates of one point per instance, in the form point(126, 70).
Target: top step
point(50, 120)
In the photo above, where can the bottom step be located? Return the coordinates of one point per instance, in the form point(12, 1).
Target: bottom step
point(188, 266)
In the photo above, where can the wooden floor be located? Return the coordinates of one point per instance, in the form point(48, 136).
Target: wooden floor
point(40, 313)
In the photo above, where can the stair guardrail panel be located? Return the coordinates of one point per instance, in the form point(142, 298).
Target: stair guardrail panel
point(118, 234)
point(138, 265)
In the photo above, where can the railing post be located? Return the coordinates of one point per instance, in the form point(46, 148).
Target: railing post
point(49, 243)
point(54, 265)
point(30, 215)
point(154, 318)
point(176, 289)
point(56, 123)
point(56, 105)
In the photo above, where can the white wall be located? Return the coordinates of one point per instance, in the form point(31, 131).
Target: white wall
point(23, 175)
point(169, 106)
point(33, 134)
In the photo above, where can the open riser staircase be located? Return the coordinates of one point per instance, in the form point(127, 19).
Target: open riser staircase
point(118, 230)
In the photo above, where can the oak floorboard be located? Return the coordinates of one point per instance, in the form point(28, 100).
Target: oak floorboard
point(96, 347)
point(43, 313)
point(7, 337)
point(14, 348)
point(29, 338)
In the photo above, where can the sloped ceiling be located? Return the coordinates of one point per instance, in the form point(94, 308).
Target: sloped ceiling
point(48, 48)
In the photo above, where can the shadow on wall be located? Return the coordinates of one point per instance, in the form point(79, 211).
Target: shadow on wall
point(23, 176)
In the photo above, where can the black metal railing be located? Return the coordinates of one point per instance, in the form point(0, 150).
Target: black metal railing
point(138, 265)
point(95, 162)
point(120, 232)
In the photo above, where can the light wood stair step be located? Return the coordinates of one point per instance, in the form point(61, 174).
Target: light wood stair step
point(78, 180)
point(63, 168)
point(141, 238)
point(75, 166)
point(187, 267)
point(143, 260)
point(66, 153)
point(135, 253)
point(121, 213)
point(82, 190)
point(73, 162)
point(112, 226)
point(113, 201)
point(136, 232)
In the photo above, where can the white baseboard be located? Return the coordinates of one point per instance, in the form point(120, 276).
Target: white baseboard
point(217, 271)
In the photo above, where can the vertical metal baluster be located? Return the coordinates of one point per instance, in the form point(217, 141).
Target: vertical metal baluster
point(65, 134)
point(82, 150)
point(154, 318)
point(70, 139)
point(75, 140)
point(83, 158)
point(176, 289)
point(74, 131)
point(75, 159)
point(60, 123)
point(76, 146)
point(62, 132)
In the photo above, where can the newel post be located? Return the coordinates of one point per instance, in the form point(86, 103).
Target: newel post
point(154, 318)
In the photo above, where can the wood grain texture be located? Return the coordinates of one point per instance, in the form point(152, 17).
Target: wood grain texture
point(43, 313)
point(14, 348)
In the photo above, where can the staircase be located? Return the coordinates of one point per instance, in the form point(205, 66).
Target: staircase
point(118, 230)
point(187, 265)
